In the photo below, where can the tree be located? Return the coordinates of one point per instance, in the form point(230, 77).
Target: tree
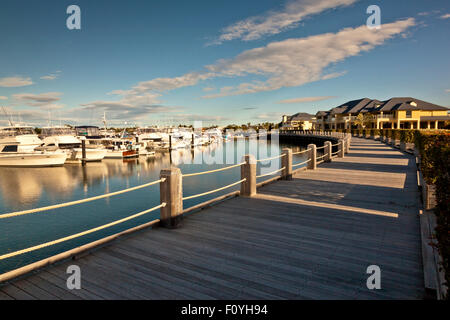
point(363, 120)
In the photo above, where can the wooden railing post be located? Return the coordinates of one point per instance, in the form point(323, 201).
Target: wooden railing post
point(347, 144)
point(328, 150)
point(171, 193)
point(312, 164)
point(286, 162)
point(248, 172)
point(341, 148)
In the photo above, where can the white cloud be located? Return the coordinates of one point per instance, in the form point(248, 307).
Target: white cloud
point(305, 99)
point(445, 16)
point(269, 116)
point(18, 81)
point(277, 21)
point(448, 90)
point(295, 62)
point(37, 100)
point(3, 98)
point(287, 63)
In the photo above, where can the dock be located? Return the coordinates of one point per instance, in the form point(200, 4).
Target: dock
point(312, 237)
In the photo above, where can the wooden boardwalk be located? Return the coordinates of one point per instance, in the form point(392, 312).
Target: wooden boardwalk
point(309, 238)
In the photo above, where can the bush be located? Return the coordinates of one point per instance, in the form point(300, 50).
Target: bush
point(434, 149)
point(407, 136)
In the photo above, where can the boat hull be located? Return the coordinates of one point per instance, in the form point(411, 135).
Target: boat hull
point(33, 160)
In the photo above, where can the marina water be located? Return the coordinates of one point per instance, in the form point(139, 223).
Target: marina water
point(28, 188)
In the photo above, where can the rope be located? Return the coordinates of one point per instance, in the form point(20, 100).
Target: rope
point(213, 191)
point(301, 152)
point(335, 145)
point(212, 171)
point(271, 173)
point(320, 148)
point(72, 203)
point(299, 164)
point(51, 243)
point(273, 158)
point(320, 157)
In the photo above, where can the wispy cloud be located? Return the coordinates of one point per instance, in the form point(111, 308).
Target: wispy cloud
point(305, 99)
point(37, 100)
point(269, 116)
point(295, 62)
point(274, 22)
point(3, 98)
point(17, 81)
point(445, 16)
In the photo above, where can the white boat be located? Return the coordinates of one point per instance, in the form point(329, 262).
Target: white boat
point(25, 137)
point(11, 157)
point(64, 138)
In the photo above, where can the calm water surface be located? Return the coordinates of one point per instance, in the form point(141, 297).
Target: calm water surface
point(28, 188)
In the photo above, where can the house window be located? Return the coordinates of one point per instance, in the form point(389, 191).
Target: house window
point(408, 114)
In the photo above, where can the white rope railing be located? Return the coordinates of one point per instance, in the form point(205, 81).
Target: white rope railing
point(271, 173)
point(72, 203)
point(214, 191)
point(321, 157)
point(300, 152)
point(299, 164)
point(213, 171)
point(336, 145)
point(273, 158)
point(80, 234)
point(321, 148)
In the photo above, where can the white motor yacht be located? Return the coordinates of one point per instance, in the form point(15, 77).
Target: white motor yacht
point(27, 140)
point(10, 156)
point(65, 139)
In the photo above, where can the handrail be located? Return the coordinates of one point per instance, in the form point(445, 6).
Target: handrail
point(336, 145)
point(273, 158)
point(213, 191)
point(72, 203)
point(323, 147)
point(212, 171)
point(320, 157)
point(300, 152)
point(77, 235)
point(271, 173)
point(299, 164)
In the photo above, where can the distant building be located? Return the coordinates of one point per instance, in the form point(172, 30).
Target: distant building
point(395, 113)
point(298, 121)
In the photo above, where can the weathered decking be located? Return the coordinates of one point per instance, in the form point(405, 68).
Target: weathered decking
point(310, 238)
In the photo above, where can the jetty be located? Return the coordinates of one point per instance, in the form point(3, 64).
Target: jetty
point(307, 233)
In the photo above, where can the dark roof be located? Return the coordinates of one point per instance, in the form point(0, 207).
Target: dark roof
point(322, 113)
point(353, 106)
point(434, 118)
point(396, 104)
point(302, 116)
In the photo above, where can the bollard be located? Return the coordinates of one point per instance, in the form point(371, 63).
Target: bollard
point(341, 148)
point(286, 162)
point(171, 192)
point(192, 141)
point(328, 150)
point(248, 172)
point(170, 142)
point(83, 151)
point(312, 164)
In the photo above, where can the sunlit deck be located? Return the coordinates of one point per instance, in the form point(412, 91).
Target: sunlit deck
point(309, 238)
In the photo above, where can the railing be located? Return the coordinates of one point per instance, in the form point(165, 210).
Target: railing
point(171, 193)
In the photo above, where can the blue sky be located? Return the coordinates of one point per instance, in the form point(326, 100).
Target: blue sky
point(220, 62)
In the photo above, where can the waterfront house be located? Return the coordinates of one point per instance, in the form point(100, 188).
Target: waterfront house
point(298, 121)
point(395, 113)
